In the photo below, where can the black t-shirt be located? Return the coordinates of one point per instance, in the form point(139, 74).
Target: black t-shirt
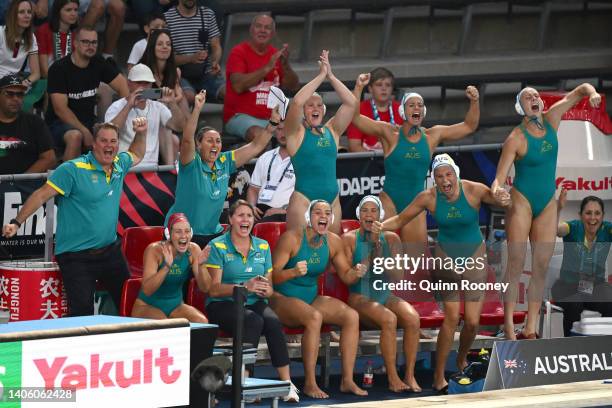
point(21, 141)
point(81, 86)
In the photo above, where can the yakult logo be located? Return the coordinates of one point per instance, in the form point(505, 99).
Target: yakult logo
point(578, 184)
point(98, 372)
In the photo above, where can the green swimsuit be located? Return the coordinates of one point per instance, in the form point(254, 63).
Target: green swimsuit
point(314, 165)
point(459, 234)
point(535, 172)
point(405, 170)
point(364, 286)
point(169, 295)
point(305, 287)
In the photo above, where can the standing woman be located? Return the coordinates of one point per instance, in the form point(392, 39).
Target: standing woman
point(379, 307)
point(408, 151)
point(159, 56)
point(239, 258)
point(454, 204)
point(18, 43)
point(204, 172)
point(532, 148)
point(582, 282)
point(300, 257)
point(168, 265)
point(313, 145)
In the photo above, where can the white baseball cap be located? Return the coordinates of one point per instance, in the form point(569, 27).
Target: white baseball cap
point(141, 73)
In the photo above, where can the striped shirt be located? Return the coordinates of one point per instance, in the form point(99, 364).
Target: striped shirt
point(185, 30)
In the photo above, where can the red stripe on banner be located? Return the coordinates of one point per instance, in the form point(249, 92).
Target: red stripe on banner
point(139, 191)
point(120, 228)
point(153, 178)
point(130, 211)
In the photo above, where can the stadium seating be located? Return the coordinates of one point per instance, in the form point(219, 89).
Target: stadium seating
point(270, 231)
point(133, 244)
point(349, 225)
point(129, 293)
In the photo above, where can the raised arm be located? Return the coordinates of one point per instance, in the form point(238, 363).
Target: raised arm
point(198, 266)
point(346, 272)
point(562, 227)
point(249, 151)
point(296, 107)
point(156, 265)
point(188, 140)
point(439, 134)
point(343, 117)
point(556, 112)
point(138, 146)
point(282, 253)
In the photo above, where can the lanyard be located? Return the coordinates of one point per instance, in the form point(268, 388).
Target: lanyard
point(270, 169)
point(377, 116)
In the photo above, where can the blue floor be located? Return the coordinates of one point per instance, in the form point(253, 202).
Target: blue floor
point(378, 392)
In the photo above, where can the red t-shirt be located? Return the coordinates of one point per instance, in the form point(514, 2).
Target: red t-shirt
point(244, 59)
point(44, 38)
point(371, 142)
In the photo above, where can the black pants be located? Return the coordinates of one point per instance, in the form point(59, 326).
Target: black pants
point(203, 240)
point(566, 295)
point(259, 319)
point(80, 271)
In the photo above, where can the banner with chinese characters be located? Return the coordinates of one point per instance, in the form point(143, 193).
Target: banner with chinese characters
point(32, 290)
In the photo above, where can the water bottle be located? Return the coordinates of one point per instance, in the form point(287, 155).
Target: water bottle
point(368, 376)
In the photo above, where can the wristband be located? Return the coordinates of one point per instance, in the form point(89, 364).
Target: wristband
point(14, 221)
point(273, 123)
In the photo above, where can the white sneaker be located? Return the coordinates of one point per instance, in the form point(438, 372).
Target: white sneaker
point(293, 395)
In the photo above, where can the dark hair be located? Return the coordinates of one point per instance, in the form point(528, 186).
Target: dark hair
point(77, 31)
point(149, 59)
point(156, 15)
point(54, 18)
point(588, 199)
point(381, 73)
point(11, 30)
point(239, 203)
point(200, 133)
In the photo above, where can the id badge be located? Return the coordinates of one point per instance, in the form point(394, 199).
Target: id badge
point(267, 193)
point(585, 285)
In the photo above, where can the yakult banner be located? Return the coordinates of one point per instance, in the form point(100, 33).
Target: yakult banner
point(516, 364)
point(150, 369)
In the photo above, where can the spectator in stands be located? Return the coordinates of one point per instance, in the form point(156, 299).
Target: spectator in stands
point(380, 107)
point(252, 67)
point(532, 148)
point(55, 37)
point(454, 204)
point(25, 141)
point(378, 307)
point(159, 56)
point(239, 258)
point(87, 249)
point(168, 265)
point(272, 182)
point(312, 145)
point(408, 154)
point(154, 21)
point(197, 43)
point(92, 11)
point(18, 44)
point(162, 113)
point(73, 85)
point(586, 244)
point(204, 173)
point(300, 257)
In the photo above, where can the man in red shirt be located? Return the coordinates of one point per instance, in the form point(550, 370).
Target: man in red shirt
point(252, 67)
point(381, 106)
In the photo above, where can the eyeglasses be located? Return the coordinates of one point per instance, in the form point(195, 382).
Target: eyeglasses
point(89, 43)
point(14, 94)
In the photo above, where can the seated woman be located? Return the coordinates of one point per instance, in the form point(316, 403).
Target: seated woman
point(586, 245)
point(167, 266)
point(238, 258)
point(300, 256)
point(380, 308)
point(454, 204)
